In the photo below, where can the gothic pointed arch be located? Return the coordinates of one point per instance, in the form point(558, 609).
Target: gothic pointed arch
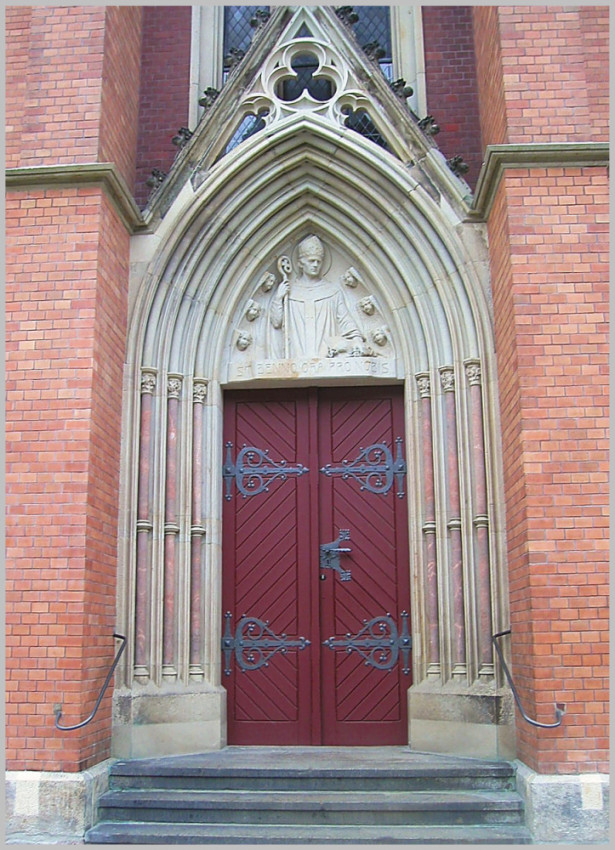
point(413, 272)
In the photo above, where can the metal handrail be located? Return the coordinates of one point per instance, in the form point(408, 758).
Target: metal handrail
point(58, 711)
point(559, 712)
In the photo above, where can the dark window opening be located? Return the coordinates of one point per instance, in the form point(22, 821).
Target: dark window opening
point(238, 31)
point(374, 25)
point(305, 65)
point(361, 123)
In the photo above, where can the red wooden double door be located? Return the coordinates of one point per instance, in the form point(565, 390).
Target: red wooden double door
point(315, 647)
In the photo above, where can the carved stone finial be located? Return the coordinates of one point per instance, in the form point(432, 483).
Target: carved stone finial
point(234, 57)
point(457, 165)
point(208, 97)
point(260, 18)
point(174, 386)
point(373, 51)
point(401, 89)
point(429, 126)
point(347, 15)
point(199, 391)
point(473, 373)
point(424, 385)
point(157, 178)
point(447, 379)
point(182, 138)
point(148, 382)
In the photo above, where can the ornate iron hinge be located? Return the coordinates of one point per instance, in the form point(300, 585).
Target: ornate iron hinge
point(374, 468)
point(378, 642)
point(254, 471)
point(254, 643)
point(330, 555)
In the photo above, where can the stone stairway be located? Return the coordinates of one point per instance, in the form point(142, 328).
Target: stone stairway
point(315, 795)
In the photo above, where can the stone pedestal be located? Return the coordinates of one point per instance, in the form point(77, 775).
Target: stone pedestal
point(164, 722)
point(474, 721)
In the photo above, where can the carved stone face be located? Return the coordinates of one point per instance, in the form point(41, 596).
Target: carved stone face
point(379, 336)
point(350, 277)
point(243, 341)
point(310, 264)
point(253, 311)
point(367, 305)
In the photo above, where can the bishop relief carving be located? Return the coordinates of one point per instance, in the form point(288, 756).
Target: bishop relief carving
point(311, 313)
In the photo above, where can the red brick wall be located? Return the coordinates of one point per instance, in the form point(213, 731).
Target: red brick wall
point(489, 75)
point(17, 47)
point(544, 73)
point(120, 89)
point(450, 72)
point(66, 303)
point(594, 21)
point(58, 104)
point(165, 89)
point(66, 299)
point(549, 268)
point(551, 303)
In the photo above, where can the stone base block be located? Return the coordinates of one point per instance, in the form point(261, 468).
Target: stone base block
point(565, 809)
point(52, 807)
point(164, 723)
point(461, 722)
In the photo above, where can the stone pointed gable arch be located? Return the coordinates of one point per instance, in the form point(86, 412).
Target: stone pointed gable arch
point(425, 265)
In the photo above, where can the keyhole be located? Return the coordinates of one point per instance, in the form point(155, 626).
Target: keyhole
point(305, 65)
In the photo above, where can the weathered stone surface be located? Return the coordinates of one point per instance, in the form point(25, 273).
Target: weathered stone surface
point(565, 809)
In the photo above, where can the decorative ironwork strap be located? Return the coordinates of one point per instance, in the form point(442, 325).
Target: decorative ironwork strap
point(378, 642)
point(254, 643)
point(254, 471)
point(374, 468)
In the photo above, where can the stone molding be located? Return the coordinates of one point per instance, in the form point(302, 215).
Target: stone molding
point(105, 174)
point(541, 155)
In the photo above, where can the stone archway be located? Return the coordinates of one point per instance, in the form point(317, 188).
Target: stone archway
point(427, 269)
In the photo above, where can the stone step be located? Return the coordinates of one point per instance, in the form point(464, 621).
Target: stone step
point(173, 833)
point(313, 807)
point(312, 774)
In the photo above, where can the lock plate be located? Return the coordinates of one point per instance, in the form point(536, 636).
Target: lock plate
point(330, 555)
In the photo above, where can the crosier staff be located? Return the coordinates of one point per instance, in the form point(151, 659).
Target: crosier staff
point(285, 268)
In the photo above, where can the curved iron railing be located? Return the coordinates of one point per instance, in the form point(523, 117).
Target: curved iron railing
point(58, 711)
point(559, 712)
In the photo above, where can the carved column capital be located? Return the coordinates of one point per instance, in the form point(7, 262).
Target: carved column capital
point(174, 386)
point(424, 384)
point(447, 379)
point(473, 372)
point(199, 391)
point(148, 381)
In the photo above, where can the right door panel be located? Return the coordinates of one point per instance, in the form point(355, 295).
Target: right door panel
point(363, 693)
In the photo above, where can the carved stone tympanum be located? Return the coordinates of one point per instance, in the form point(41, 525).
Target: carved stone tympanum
point(299, 318)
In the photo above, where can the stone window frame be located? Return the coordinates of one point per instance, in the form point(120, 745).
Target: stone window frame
point(206, 54)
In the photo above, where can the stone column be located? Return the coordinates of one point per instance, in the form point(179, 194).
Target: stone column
point(429, 528)
point(144, 529)
point(458, 659)
point(196, 659)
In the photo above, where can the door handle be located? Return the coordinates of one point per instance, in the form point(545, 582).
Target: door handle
point(330, 555)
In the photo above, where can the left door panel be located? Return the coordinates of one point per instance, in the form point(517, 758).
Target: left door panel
point(266, 538)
